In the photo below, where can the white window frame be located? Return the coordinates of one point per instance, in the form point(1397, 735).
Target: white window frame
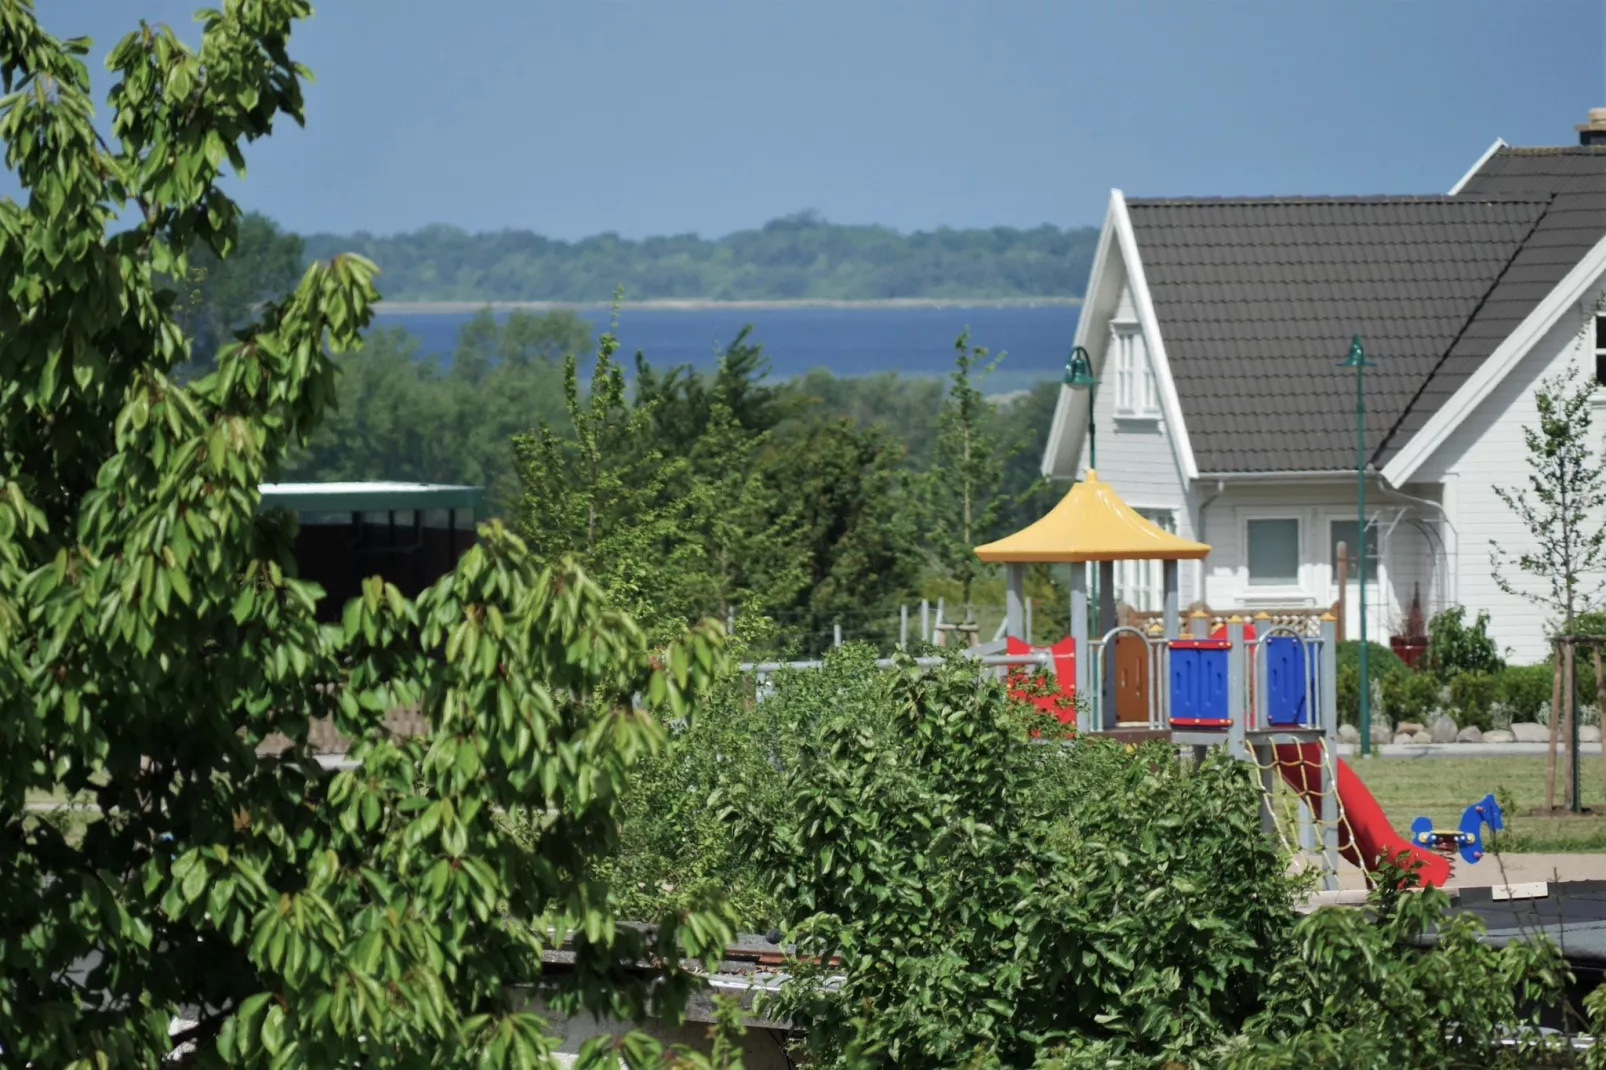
point(1276, 593)
point(1137, 396)
point(1145, 579)
point(1598, 373)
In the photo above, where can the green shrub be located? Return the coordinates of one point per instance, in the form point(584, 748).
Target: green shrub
point(1349, 694)
point(1410, 696)
point(1584, 660)
point(1472, 699)
point(1379, 658)
point(1523, 689)
point(1455, 648)
point(1381, 664)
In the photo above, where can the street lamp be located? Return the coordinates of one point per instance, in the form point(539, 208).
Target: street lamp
point(1079, 376)
point(1357, 360)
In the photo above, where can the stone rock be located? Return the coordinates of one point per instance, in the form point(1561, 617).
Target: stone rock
point(1443, 730)
point(1348, 733)
point(1588, 733)
point(1410, 728)
point(1422, 737)
point(1498, 735)
point(1469, 734)
point(1401, 738)
point(1381, 733)
point(1528, 732)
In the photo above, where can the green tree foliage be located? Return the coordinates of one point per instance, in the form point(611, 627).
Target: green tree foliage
point(1024, 423)
point(675, 846)
point(225, 288)
point(984, 897)
point(600, 490)
point(153, 634)
point(801, 256)
point(961, 488)
point(1359, 992)
point(1456, 647)
point(960, 895)
point(1563, 507)
point(682, 400)
point(848, 500)
point(400, 416)
point(737, 540)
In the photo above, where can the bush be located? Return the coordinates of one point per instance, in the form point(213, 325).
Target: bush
point(1380, 660)
point(1472, 699)
point(1410, 696)
point(1524, 689)
point(1454, 648)
point(1390, 693)
point(1584, 660)
point(949, 865)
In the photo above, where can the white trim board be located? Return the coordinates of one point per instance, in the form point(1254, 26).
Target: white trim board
point(1170, 405)
point(1507, 355)
point(1499, 143)
point(1067, 406)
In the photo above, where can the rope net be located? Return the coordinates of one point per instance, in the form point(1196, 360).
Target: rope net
point(1292, 776)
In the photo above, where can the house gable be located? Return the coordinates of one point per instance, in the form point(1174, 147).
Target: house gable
point(1117, 291)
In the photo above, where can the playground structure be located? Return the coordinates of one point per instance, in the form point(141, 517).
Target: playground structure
point(1265, 692)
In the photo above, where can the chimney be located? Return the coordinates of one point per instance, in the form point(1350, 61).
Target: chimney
point(1594, 131)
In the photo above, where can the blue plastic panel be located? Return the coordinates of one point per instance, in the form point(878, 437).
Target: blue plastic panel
point(1287, 698)
point(1198, 692)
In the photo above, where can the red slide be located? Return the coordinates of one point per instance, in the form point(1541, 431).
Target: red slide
point(1300, 765)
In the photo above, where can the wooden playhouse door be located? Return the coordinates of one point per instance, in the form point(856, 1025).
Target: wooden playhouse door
point(1131, 680)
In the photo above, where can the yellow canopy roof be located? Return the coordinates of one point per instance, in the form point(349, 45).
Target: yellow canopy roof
point(1092, 523)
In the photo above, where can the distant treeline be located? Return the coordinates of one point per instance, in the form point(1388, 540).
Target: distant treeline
point(797, 257)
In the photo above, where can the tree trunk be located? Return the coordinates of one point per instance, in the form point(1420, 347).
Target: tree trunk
point(1555, 727)
point(1600, 702)
point(1570, 746)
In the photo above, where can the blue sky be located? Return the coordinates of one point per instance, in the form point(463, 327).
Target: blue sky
point(573, 117)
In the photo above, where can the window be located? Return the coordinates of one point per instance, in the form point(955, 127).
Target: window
point(1343, 531)
point(1135, 393)
point(1600, 348)
point(1273, 553)
point(1141, 584)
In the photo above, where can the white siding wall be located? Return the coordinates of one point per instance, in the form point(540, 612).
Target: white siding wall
point(1137, 457)
point(1406, 558)
point(1488, 451)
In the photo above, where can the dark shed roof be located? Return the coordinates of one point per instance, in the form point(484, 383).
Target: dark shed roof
point(1257, 300)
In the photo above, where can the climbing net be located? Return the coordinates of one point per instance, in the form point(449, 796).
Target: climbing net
point(1292, 778)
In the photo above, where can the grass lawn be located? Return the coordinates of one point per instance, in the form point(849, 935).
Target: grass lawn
point(1441, 788)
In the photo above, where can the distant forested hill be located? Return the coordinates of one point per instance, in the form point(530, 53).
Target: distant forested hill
point(797, 257)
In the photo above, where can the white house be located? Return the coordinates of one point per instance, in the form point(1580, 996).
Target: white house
point(1215, 327)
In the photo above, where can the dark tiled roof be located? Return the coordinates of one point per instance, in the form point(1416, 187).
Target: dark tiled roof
point(1576, 180)
point(1257, 300)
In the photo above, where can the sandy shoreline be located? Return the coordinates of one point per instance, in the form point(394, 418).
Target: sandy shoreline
point(441, 308)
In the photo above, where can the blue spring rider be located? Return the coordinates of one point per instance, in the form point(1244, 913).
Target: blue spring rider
point(1468, 839)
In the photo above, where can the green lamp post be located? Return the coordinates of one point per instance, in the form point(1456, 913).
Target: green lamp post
point(1357, 360)
point(1079, 376)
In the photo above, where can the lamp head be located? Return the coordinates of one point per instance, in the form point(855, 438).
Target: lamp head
point(1079, 370)
point(1357, 356)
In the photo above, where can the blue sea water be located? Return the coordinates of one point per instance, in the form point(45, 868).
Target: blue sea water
point(845, 341)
